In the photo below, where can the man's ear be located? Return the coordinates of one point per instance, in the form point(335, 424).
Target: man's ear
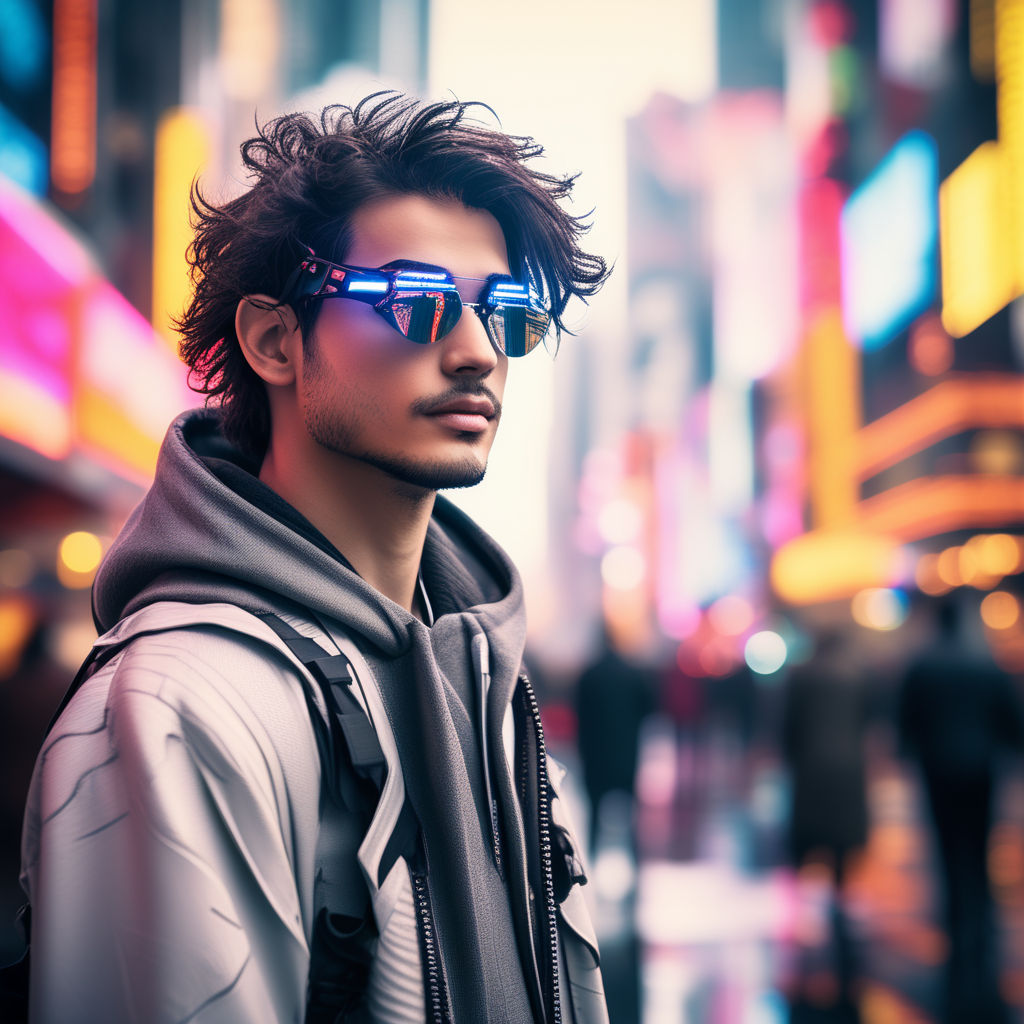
point(269, 336)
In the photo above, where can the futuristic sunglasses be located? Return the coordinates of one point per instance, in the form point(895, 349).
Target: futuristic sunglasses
point(422, 302)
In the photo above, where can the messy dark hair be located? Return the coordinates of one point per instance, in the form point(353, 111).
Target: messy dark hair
point(309, 180)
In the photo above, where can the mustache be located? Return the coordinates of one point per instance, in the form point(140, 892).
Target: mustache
point(474, 389)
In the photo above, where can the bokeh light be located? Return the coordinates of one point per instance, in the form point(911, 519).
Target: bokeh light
point(930, 348)
point(623, 568)
point(1000, 610)
point(765, 652)
point(78, 557)
point(881, 608)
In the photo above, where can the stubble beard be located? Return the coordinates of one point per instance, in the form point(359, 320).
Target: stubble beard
point(334, 431)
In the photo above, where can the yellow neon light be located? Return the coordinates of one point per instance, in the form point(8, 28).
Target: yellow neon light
point(976, 401)
point(979, 270)
point(933, 505)
point(104, 426)
point(832, 390)
point(182, 148)
point(73, 120)
point(826, 565)
point(1009, 33)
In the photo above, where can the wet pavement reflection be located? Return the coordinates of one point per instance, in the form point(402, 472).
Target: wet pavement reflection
point(706, 924)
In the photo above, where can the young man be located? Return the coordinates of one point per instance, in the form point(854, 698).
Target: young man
point(306, 778)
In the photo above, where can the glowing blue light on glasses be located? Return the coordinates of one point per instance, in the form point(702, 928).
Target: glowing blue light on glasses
point(422, 275)
point(367, 286)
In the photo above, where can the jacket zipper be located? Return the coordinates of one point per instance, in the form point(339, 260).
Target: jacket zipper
point(554, 1008)
point(434, 983)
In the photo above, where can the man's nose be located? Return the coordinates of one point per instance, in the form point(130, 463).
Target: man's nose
point(468, 348)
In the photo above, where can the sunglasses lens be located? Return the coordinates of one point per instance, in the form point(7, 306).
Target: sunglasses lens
point(422, 316)
point(518, 330)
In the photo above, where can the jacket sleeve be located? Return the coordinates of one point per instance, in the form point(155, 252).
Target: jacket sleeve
point(167, 852)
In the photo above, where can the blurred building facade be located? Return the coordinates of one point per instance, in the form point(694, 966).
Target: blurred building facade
point(826, 411)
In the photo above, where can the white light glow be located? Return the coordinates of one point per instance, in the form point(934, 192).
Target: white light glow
point(619, 522)
point(623, 568)
point(765, 652)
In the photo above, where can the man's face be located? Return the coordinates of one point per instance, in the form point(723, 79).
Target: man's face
point(425, 414)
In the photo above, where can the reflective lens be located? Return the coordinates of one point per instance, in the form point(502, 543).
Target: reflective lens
point(515, 319)
point(517, 330)
point(422, 316)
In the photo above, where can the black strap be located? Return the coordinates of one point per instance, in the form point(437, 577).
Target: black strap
point(353, 728)
point(343, 927)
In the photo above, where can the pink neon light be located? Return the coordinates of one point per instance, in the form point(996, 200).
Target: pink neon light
point(819, 206)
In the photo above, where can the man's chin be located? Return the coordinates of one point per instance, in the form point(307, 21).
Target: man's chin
point(439, 475)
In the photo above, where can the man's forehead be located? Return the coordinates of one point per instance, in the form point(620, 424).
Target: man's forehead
point(467, 241)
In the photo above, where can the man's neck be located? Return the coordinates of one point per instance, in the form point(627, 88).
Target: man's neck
point(377, 522)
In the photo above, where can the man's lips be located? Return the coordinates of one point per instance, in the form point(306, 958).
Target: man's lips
point(470, 404)
point(466, 414)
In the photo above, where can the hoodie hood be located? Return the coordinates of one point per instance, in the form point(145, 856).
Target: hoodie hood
point(194, 538)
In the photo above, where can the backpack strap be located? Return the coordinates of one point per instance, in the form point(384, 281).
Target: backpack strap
point(354, 732)
point(343, 926)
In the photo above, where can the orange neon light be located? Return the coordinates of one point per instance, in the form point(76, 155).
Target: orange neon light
point(933, 505)
point(73, 124)
point(833, 412)
point(957, 404)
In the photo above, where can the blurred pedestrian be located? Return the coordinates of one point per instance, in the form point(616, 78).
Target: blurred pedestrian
point(958, 716)
point(615, 693)
point(826, 712)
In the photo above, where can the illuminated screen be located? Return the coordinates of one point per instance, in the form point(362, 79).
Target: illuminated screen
point(889, 234)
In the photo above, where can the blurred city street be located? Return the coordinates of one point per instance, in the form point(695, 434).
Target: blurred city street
point(765, 493)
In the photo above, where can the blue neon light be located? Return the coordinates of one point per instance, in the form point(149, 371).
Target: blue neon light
point(23, 157)
point(889, 239)
point(24, 44)
point(421, 275)
point(367, 286)
point(433, 285)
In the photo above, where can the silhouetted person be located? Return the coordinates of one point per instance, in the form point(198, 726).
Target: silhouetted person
point(958, 716)
point(613, 696)
point(825, 718)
